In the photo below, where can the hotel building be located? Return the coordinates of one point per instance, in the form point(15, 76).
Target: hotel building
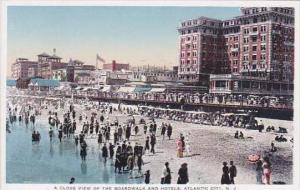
point(259, 43)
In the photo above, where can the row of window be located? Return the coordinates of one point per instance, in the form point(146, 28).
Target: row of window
point(232, 38)
point(255, 29)
point(188, 54)
point(205, 31)
point(263, 38)
point(254, 10)
point(188, 69)
point(204, 22)
point(254, 66)
point(254, 48)
point(188, 62)
point(254, 57)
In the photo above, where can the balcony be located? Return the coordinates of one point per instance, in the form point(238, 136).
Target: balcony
point(253, 33)
point(234, 49)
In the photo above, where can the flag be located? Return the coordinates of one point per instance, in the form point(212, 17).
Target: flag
point(100, 59)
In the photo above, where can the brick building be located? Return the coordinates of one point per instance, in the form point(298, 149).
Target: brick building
point(259, 43)
point(47, 64)
point(23, 68)
point(114, 66)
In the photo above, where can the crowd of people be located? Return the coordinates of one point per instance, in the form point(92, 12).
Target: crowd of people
point(115, 138)
point(191, 98)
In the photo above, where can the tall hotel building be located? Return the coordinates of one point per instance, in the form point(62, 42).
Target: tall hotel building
point(259, 43)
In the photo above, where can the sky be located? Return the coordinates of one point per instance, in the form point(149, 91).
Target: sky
point(135, 35)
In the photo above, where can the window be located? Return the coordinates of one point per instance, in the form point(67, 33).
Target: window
point(254, 38)
point(263, 47)
point(263, 28)
point(246, 31)
point(245, 48)
point(254, 29)
point(253, 57)
point(254, 48)
point(263, 57)
point(246, 40)
point(263, 38)
point(245, 58)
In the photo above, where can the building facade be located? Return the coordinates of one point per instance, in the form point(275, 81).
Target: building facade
point(259, 43)
point(23, 68)
point(114, 66)
point(47, 64)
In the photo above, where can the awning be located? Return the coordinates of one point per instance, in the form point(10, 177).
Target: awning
point(126, 89)
point(157, 90)
point(60, 88)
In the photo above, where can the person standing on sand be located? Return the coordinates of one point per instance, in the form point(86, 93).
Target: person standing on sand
point(166, 175)
point(225, 176)
point(259, 172)
point(152, 143)
point(179, 148)
point(232, 172)
point(169, 131)
point(183, 177)
point(267, 170)
point(163, 130)
point(147, 144)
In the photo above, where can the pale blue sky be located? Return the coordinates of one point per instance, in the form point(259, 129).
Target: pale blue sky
point(135, 35)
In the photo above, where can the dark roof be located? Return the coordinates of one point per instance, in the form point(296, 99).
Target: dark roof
point(44, 55)
point(55, 57)
point(11, 82)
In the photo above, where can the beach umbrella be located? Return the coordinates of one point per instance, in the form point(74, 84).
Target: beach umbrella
point(253, 158)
